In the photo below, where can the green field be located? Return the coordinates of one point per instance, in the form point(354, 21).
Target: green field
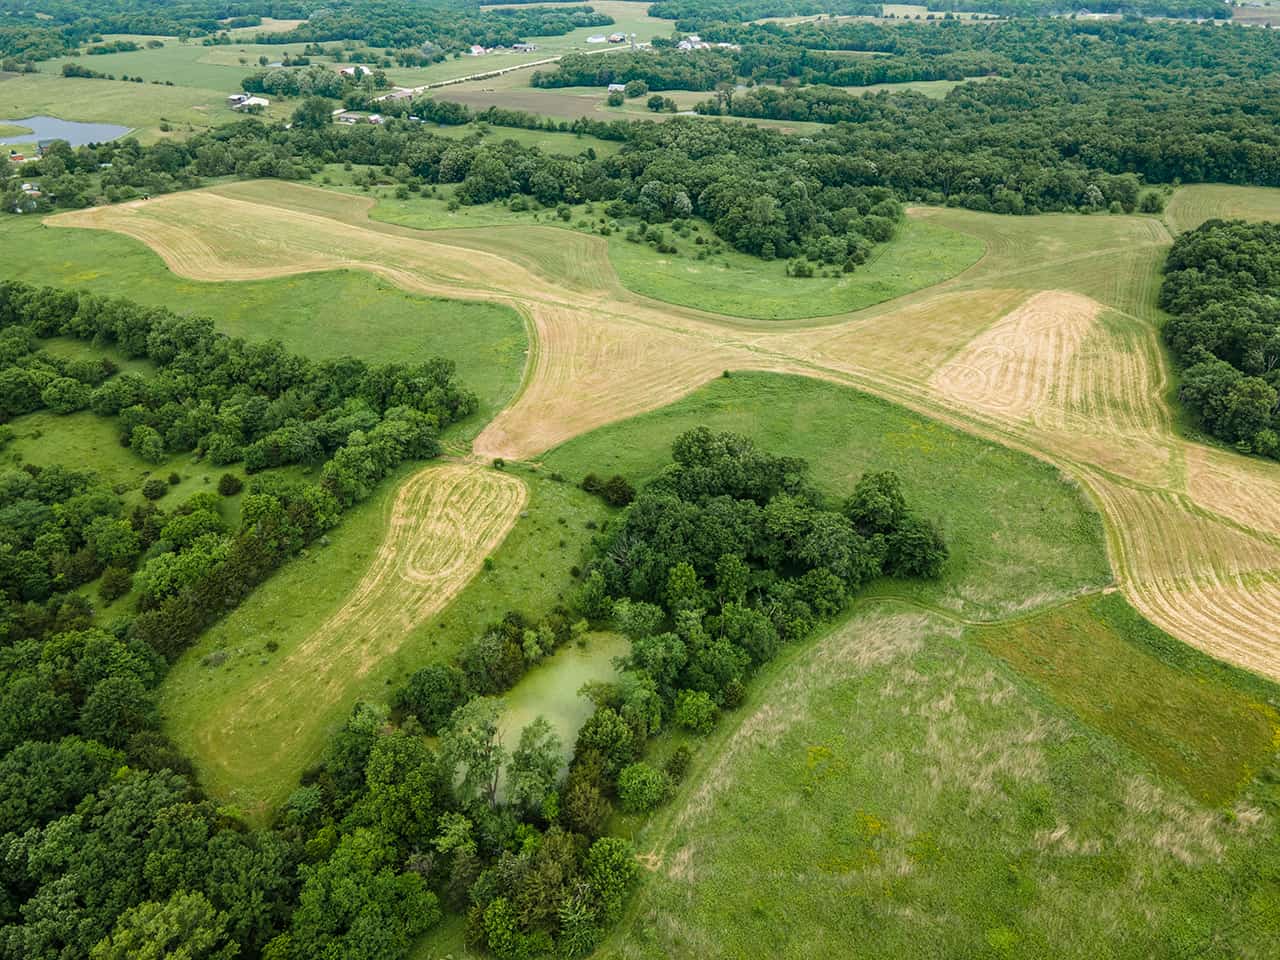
point(218, 68)
point(729, 282)
point(530, 573)
point(9, 130)
point(1043, 545)
point(319, 315)
point(933, 795)
point(739, 285)
point(144, 107)
point(548, 141)
point(1192, 205)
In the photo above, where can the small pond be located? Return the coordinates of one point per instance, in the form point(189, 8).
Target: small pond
point(551, 688)
point(73, 131)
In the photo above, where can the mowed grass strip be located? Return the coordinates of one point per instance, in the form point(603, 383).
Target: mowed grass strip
point(1192, 205)
point(1021, 535)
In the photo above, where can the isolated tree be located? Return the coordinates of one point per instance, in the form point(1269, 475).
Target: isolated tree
point(147, 443)
point(399, 777)
point(642, 787)
point(313, 113)
point(470, 751)
point(535, 765)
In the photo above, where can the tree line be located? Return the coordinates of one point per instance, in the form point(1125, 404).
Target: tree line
point(1222, 287)
point(43, 29)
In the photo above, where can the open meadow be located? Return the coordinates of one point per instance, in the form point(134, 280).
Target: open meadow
point(1044, 759)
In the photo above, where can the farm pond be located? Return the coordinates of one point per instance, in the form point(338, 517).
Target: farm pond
point(74, 132)
point(551, 688)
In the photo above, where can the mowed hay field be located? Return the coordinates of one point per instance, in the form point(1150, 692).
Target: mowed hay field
point(432, 538)
point(1192, 205)
point(1059, 314)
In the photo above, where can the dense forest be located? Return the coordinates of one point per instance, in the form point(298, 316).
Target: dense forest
point(1222, 285)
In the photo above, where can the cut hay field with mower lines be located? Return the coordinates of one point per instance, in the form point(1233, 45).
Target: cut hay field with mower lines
point(1045, 343)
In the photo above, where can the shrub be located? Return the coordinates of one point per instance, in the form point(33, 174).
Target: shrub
point(116, 582)
point(229, 485)
point(696, 711)
point(155, 488)
point(642, 787)
point(616, 98)
point(591, 483)
point(617, 491)
point(635, 88)
point(174, 479)
point(677, 764)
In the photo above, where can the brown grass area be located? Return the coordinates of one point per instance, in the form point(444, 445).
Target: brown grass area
point(1046, 344)
point(444, 521)
point(1022, 364)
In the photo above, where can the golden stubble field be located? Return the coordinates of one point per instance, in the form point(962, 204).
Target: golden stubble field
point(1048, 344)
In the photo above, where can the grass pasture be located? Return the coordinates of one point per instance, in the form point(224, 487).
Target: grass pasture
point(936, 797)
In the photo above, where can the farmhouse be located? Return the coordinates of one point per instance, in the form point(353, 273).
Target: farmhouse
point(248, 103)
point(355, 71)
point(597, 38)
point(477, 50)
point(617, 87)
point(524, 47)
point(617, 38)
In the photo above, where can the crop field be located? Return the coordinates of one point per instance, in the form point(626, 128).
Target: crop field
point(608, 354)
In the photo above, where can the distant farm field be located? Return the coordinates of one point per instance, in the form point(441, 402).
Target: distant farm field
point(141, 106)
point(1192, 205)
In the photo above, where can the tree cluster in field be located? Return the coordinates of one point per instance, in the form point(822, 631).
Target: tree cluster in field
point(1222, 285)
point(726, 556)
point(227, 401)
point(312, 81)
